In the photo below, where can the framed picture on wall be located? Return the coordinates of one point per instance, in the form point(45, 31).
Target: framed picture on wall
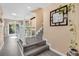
point(59, 16)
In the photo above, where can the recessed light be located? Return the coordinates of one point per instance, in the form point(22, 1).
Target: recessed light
point(29, 7)
point(14, 14)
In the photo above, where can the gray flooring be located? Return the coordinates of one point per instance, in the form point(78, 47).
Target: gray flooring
point(10, 48)
point(48, 53)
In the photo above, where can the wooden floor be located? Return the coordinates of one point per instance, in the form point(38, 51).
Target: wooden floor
point(10, 48)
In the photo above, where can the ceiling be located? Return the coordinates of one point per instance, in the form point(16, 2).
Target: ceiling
point(20, 11)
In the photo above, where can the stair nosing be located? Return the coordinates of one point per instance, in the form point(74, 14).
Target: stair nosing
point(36, 49)
point(33, 43)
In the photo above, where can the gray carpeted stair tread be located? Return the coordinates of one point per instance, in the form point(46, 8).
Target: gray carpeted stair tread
point(36, 51)
point(48, 53)
point(34, 45)
point(30, 40)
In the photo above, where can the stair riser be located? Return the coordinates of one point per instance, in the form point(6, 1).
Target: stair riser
point(39, 51)
point(34, 46)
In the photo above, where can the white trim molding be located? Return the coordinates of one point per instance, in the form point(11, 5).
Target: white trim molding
point(61, 54)
point(20, 50)
point(54, 50)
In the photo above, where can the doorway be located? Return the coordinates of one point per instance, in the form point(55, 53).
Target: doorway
point(12, 29)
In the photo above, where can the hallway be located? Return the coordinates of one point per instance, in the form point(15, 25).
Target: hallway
point(42, 29)
point(10, 48)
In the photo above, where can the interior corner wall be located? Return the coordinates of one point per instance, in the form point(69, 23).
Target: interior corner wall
point(1, 29)
point(77, 22)
point(59, 36)
point(1, 40)
point(33, 22)
point(39, 18)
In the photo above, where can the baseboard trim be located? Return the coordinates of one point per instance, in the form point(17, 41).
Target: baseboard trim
point(54, 50)
point(20, 50)
point(57, 52)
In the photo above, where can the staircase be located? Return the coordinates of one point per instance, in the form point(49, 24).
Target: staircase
point(36, 47)
point(39, 48)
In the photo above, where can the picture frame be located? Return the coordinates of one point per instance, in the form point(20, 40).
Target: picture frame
point(59, 16)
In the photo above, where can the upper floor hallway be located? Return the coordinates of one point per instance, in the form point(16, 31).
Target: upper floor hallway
point(46, 26)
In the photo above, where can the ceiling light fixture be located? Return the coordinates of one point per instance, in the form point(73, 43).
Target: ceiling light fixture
point(29, 7)
point(14, 14)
